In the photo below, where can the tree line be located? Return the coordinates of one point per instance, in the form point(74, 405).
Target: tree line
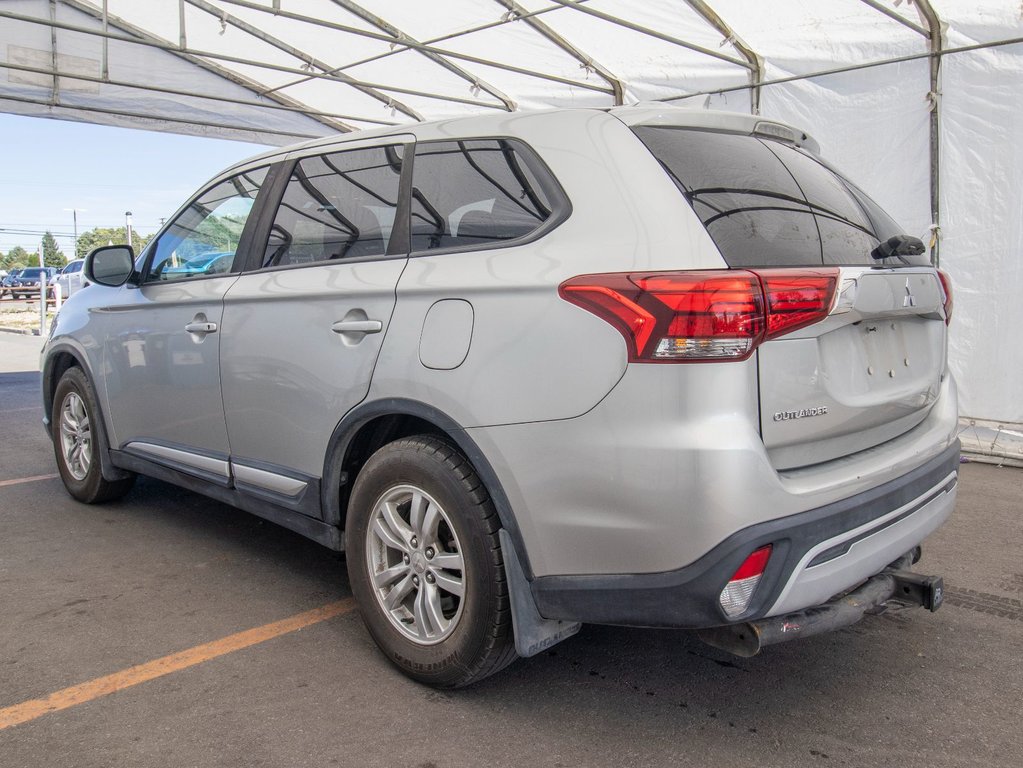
point(53, 256)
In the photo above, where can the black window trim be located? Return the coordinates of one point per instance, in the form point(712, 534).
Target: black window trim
point(561, 206)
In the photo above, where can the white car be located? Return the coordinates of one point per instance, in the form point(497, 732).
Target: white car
point(71, 279)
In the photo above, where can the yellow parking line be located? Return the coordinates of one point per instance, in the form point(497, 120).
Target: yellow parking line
point(20, 480)
point(118, 681)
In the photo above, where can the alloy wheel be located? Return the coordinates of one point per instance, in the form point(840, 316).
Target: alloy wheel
point(75, 436)
point(415, 564)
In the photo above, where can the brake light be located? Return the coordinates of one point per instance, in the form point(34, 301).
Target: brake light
point(796, 299)
point(707, 315)
point(946, 286)
point(738, 592)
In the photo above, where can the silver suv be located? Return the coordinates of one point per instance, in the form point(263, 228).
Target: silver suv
point(647, 366)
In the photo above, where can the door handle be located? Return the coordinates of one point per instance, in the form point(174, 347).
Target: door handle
point(197, 327)
point(357, 326)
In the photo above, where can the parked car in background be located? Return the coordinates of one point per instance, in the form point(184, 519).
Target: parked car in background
point(71, 279)
point(8, 281)
point(27, 284)
point(212, 263)
point(643, 366)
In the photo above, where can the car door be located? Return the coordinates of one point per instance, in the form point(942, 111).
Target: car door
point(304, 326)
point(71, 278)
point(65, 279)
point(162, 338)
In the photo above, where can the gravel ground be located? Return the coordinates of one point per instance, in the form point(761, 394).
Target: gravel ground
point(21, 315)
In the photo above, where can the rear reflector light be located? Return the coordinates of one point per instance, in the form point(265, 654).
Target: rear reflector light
point(739, 590)
point(704, 316)
point(946, 286)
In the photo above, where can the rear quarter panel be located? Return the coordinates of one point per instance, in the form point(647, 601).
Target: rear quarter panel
point(532, 355)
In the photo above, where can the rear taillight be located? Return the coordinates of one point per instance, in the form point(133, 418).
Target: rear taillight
point(704, 316)
point(946, 286)
point(739, 590)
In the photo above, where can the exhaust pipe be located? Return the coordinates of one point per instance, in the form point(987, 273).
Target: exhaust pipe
point(891, 584)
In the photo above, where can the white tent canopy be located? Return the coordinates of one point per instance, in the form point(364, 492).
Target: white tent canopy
point(921, 102)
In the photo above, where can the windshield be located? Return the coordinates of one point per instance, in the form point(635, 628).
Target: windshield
point(768, 203)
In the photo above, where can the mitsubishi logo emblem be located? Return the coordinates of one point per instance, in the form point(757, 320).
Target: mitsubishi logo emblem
point(909, 300)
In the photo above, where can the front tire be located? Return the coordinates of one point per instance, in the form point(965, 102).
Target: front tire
point(425, 564)
point(78, 439)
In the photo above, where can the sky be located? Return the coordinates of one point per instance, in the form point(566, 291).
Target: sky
point(48, 167)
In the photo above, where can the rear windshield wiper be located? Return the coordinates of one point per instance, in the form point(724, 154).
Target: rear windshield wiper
point(898, 245)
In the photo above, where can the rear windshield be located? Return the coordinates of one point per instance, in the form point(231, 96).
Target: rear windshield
point(770, 204)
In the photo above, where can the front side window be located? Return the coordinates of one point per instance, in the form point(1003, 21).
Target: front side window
point(477, 192)
point(337, 206)
point(202, 241)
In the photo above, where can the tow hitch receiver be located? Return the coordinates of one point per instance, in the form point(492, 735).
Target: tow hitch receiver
point(892, 584)
point(917, 589)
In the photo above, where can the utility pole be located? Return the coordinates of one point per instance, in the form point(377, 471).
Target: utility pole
point(44, 284)
point(74, 214)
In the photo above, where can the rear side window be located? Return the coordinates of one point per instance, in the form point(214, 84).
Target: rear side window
point(767, 203)
point(337, 206)
point(477, 193)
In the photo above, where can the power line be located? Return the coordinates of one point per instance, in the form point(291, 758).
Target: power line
point(55, 228)
point(32, 232)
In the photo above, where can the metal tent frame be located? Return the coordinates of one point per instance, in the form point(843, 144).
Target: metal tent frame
point(261, 22)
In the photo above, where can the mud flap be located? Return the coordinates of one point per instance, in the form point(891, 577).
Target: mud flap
point(533, 633)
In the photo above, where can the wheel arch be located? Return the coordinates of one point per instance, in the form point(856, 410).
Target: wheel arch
point(59, 359)
point(371, 425)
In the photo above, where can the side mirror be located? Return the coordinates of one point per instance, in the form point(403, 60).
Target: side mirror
point(110, 265)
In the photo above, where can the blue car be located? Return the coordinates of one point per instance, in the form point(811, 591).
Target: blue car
point(27, 284)
point(215, 263)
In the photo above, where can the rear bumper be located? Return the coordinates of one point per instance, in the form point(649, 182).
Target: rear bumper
point(28, 290)
point(816, 554)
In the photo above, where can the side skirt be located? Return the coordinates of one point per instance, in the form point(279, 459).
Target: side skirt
point(320, 532)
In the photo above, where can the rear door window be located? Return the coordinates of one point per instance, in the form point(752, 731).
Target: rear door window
point(337, 206)
point(767, 203)
point(478, 193)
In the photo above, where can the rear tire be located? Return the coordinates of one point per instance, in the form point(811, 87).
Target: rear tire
point(78, 440)
point(425, 564)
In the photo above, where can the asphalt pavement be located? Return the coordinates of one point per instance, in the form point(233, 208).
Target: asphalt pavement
point(18, 353)
point(88, 592)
